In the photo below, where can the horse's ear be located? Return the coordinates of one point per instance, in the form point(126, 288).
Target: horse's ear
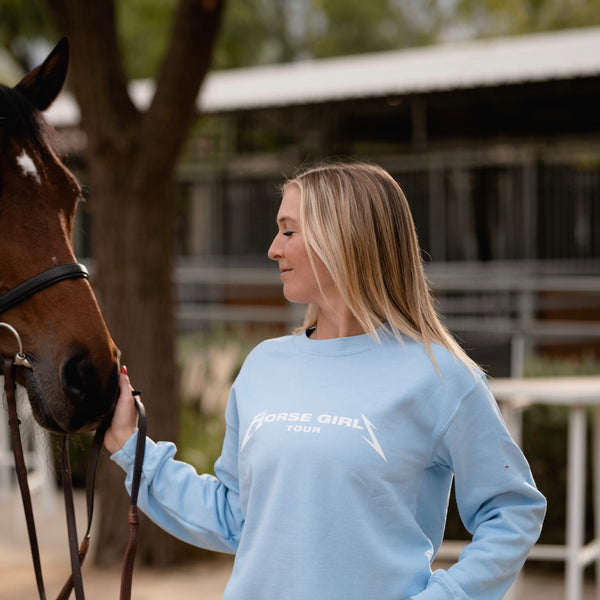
point(43, 84)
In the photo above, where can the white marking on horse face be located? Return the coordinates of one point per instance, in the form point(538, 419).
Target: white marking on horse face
point(28, 166)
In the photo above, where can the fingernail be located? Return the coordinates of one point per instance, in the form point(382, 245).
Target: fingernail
point(124, 369)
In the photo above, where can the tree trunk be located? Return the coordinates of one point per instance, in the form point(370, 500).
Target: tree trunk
point(132, 158)
point(132, 240)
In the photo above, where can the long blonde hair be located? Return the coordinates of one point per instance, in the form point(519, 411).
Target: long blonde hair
point(356, 219)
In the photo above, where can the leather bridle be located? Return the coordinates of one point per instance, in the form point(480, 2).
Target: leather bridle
point(77, 552)
point(39, 282)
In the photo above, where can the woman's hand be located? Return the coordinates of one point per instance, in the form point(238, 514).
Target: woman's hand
point(124, 421)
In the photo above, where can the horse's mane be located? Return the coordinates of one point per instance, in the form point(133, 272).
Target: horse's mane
point(18, 117)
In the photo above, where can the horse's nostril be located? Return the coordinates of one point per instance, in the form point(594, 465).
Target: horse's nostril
point(79, 376)
point(91, 388)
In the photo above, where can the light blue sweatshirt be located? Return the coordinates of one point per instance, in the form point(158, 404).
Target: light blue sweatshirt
point(335, 474)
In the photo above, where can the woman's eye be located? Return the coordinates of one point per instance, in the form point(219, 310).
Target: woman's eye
point(287, 233)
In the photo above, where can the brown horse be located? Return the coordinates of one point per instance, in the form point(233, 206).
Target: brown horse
point(72, 384)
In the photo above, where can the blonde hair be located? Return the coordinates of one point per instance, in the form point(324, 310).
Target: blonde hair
point(357, 221)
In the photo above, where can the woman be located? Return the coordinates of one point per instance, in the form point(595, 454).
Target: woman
point(343, 439)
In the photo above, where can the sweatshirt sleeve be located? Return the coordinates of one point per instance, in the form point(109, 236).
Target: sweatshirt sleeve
point(202, 510)
point(496, 497)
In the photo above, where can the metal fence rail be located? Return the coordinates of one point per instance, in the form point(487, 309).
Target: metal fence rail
point(526, 304)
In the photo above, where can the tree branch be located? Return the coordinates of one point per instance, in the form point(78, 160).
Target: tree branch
point(195, 28)
point(97, 75)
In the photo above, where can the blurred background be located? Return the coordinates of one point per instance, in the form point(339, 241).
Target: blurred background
point(487, 114)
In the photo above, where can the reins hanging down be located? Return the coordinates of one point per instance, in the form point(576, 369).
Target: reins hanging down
point(77, 554)
point(8, 300)
point(21, 468)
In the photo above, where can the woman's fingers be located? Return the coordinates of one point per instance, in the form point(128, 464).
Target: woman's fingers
point(124, 421)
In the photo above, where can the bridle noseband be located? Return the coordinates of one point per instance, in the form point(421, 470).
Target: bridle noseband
point(32, 286)
point(39, 282)
point(8, 300)
point(29, 288)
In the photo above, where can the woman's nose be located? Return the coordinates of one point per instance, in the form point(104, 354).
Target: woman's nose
point(274, 252)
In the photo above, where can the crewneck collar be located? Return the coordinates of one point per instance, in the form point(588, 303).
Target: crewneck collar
point(343, 345)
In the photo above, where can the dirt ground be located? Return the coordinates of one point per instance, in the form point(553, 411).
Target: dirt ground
point(206, 580)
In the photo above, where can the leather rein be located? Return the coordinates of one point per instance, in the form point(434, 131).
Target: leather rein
point(77, 551)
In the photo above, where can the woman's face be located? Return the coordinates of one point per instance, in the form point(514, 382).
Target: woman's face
point(299, 279)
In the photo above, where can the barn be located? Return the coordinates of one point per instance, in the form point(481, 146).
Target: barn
point(496, 143)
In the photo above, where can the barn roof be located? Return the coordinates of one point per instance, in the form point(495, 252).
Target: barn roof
point(537, 57)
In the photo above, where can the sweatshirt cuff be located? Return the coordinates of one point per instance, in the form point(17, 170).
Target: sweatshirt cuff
point(125, 457)
point(441, 588)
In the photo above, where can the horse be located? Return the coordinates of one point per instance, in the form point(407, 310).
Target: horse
point(70, 365)
point(64, 355)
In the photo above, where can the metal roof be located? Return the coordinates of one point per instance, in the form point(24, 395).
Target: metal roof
point(537, 57)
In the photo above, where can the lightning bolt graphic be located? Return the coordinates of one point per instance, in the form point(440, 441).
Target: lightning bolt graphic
point(373, 442)
point(254, 426)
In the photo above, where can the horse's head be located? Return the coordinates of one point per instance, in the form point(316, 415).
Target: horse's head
point(73, 380)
